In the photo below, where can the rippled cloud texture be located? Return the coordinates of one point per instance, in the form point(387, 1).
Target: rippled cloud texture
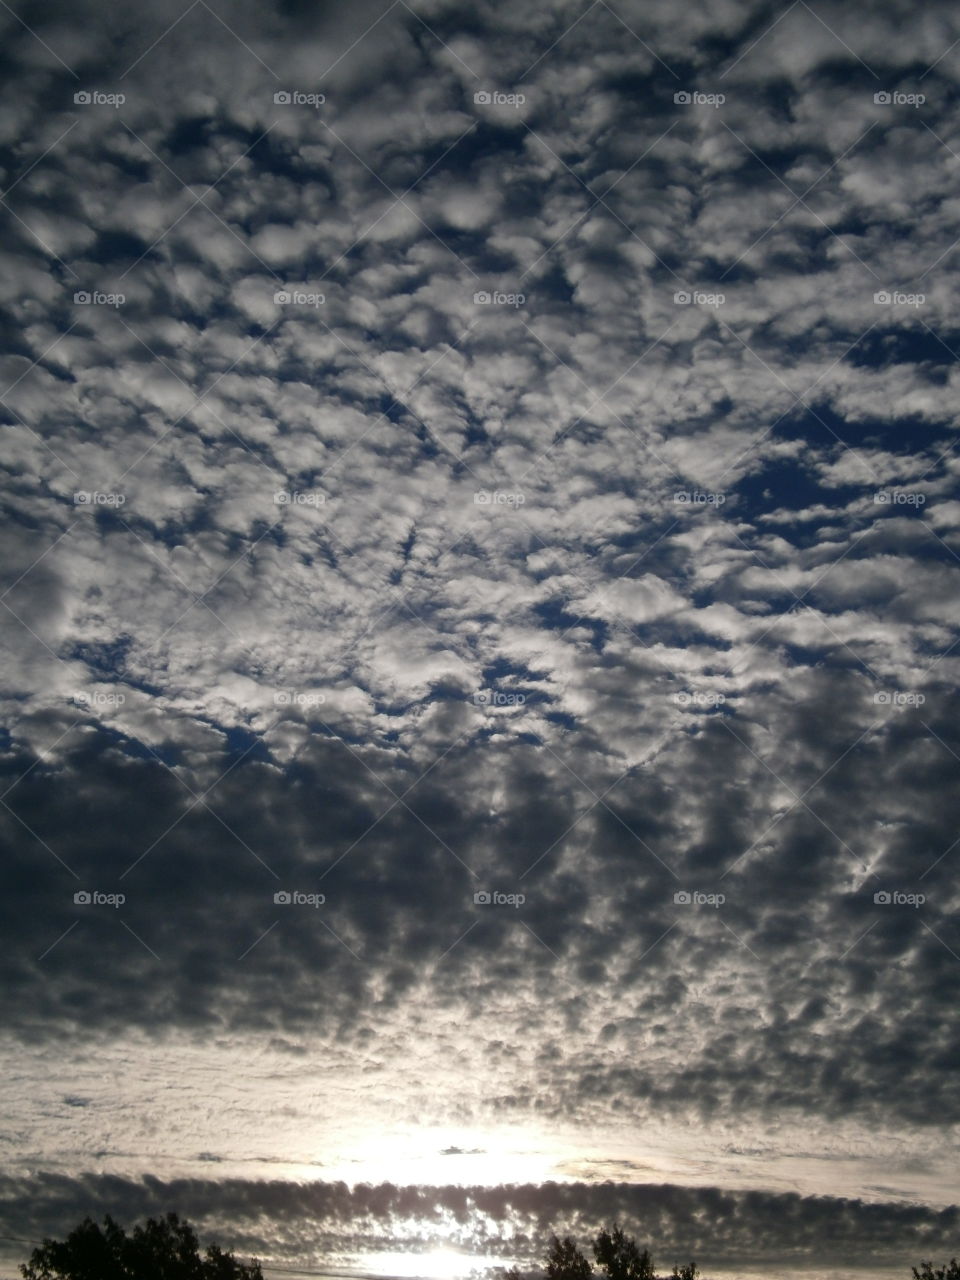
point(480, 624)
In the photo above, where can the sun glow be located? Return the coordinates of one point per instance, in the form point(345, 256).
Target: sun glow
point(442, 1263)
point(441, 1156)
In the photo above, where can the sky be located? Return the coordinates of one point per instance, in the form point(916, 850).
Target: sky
point(481, 629)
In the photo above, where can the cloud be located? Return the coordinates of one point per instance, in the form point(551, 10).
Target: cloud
point(546, 500)
point(288, 1221)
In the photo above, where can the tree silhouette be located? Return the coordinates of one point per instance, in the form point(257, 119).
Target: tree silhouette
point(927, 1271)
point(164, 1249)
point(619, 1258)
point(566, 1262)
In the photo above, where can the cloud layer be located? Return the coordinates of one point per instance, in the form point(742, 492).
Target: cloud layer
point(296, 1223)
point(480, 592)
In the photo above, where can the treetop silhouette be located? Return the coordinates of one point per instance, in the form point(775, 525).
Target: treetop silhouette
point(162, 1249)
point(617, 1257)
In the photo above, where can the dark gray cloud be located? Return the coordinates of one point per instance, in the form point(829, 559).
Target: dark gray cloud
point(285, 1222)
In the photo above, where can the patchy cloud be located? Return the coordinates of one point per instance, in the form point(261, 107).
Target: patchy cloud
point(480, 618)
point(295, 1223)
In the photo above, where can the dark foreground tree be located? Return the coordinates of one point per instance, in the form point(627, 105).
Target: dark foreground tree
point(617, 1256)
point(566, 1262)
point(927, 1271)
point(167, 1249)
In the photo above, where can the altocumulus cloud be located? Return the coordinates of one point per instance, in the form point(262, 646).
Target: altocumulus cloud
point(295, 1222)
point(480, 614)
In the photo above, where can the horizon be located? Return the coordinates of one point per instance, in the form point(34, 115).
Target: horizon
point(472, 1273)
point(431, 1255)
